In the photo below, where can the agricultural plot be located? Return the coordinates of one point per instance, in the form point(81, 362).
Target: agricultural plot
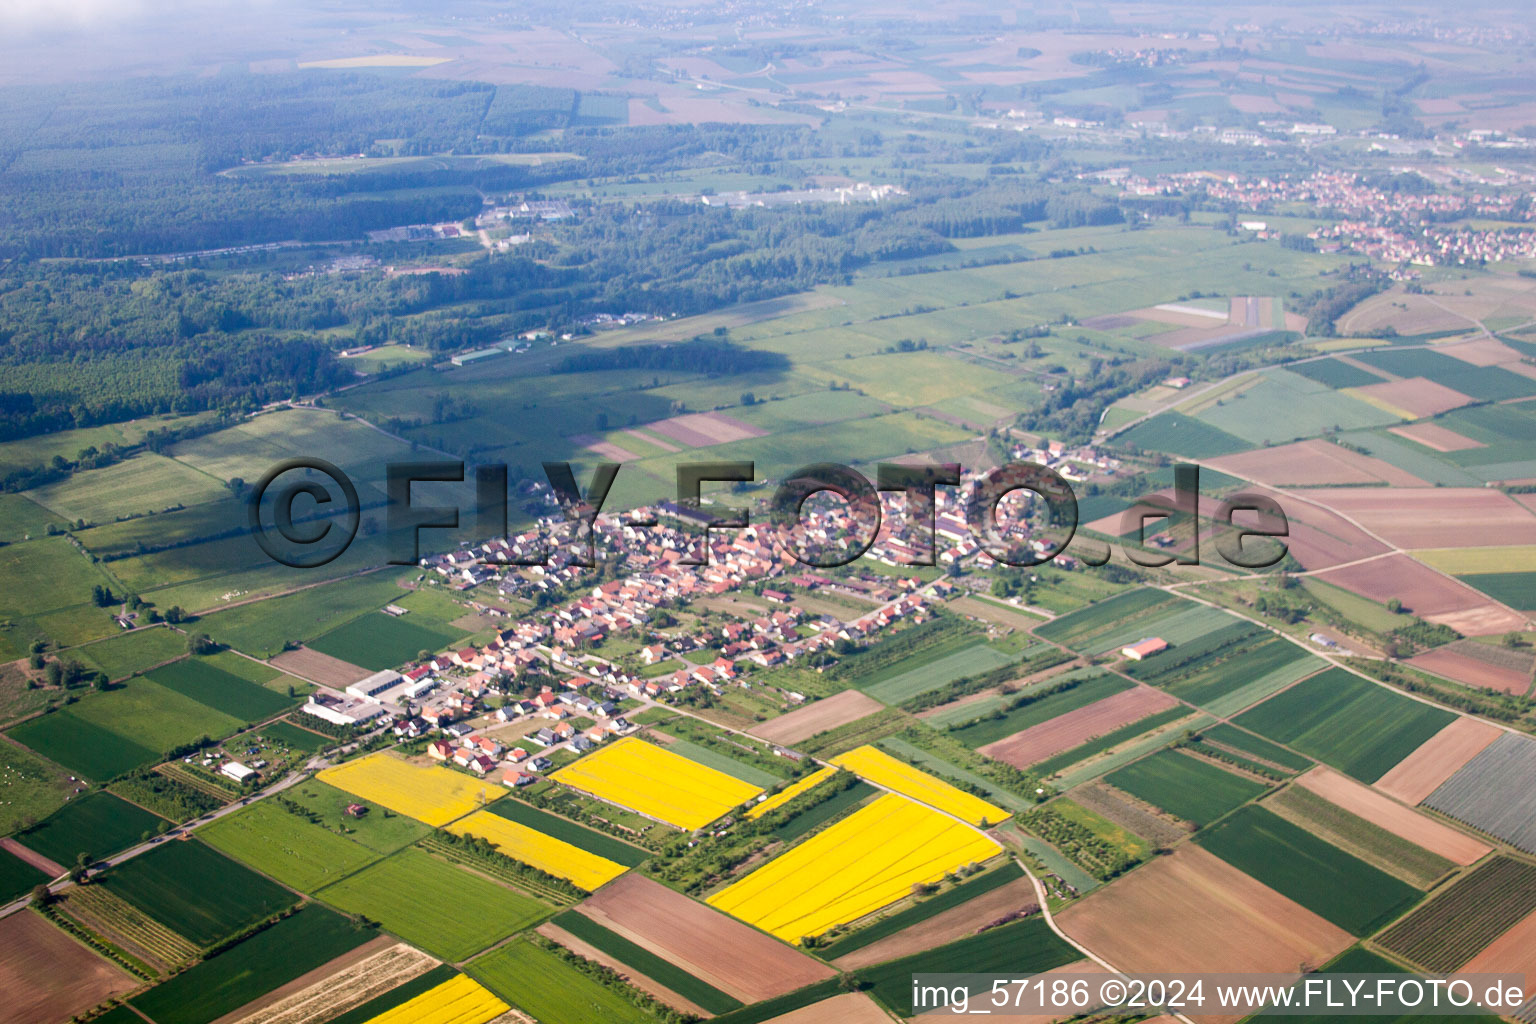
point(736, 960)
point(788, 793)
point(48, 976)
point(817, 717)
point(552, 990)
point(886, 771)
point(641, 960)
point(1361, 961)
point(146, 483)
point(250, 969)
point(1177, 434)
point(134, 651)
point(98, 824)
point(1516, 589)
point(220, 690)
point(460, 1000)
point(1255, 667)
point(865, 862)
point(197, 892)
point(18, 876)
point(1335, 373)
point(957, 896)
point(1346, 722)
point(1109, 741)
point(720, 760)
point(1404, 822)
point(1458, 923)
point(429, 793)
point(378, 641)
point(1344, 889)
point(595, 843)
point(1284, 406)
point(1028, 710)
point(1493, 793)
point(417, 897)
point(1261, 750)
point(285, 733)
point(1485, 383)
point(262, 628)
point(383, 833)
point(289, 848)
point(1358, 837)
point(132, 725)
point(968, 661)
point(1072, 730)
point(541, 851)
point(1419, 774)
point(394, 976)
point(1192, 911)
point(1079, 629)
point(656, 783)
point(1186, 787)
point(827, 810)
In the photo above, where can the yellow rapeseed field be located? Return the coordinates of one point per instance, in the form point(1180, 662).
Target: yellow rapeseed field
point(459, 1001)
point(867, 861)
point(884, 770)
point(431, 794)
point(788, 793)
point(546, 853)
point(657, 783)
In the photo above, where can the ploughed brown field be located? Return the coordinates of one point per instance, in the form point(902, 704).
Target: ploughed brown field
point(1313, 463)
point(605, 449)
point(1444, 754)
point(1473, 672)
point(1075, 728)
point(1434, 517)
point(1422, 830)
point(1514, 952)
point(1425, 593)
point(644, 983)
point(37, 860)
point(703, 429)
point(1416, 395)
point(848, 1008)
point(803, 723)
point(46, 976)
point(1436, 437)
point(738, 960)
point(952, 924)
point(334, 988)
point(1192, 912)
point(1319, 537)
point(319, 668)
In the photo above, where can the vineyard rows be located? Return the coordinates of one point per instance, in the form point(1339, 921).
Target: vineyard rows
point(1453, 928)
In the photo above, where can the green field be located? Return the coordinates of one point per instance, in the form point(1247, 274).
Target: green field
point(380, 830)
point(221, 690)
point(17, 877)
point(540, 982)
point(21, 518)
point(1516, 589)
point(1318, 875)
point(135, 651)
point(952, 897)
point(133, 724)
point(832, 807)
point(1184, 786)
point(413, 895)
point(1335, 373)
point(1255, 657)
point(290, 735)
point(1012, 950)
point(1078, 629)
point(1001, 724)
point(98, 824)
point(378, 641)
point(647, 963)
point(44, 575)
point(262, 628)
point(1230, 736)
point(1177, 434)
point(1344, 721)
point(1284, 406)
point(567, 831)
point(1486, 383)
point(920, 678)
point(1362, 961)
point(197, 892)
point(146, 483)
point(289, 848)
point(1358, 837)
point(244, 972)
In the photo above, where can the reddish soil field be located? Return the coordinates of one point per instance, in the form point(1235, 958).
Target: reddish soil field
point(716, 949)
point(702, 429)
point(952, 924)
point(319, 668)
point(803, 723)
point(47, 976)
point(1320, 538)
point(1367, 803)
point(1193, 912)
point(1418, 395)
point(1437, 759)
point(1425, 593)
point(1482, 352)
point(658, 442)
point(1179, 319)
point(1514, 952)
point(1047, 739)
point(1313, 464)
point(32, 857)
point(644, 983)
point(848, 1008)
point(1472, 672)
point(605, 449)
point(1436, 437)
point(1435, 517)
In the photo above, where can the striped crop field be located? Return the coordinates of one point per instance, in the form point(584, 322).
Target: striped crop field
point(657, 783)
point(789, 792)
point(867, 861)
point(460, 1001)
point(1493, 792)
point(429, 793)
point(884, 770)
point(543, 852)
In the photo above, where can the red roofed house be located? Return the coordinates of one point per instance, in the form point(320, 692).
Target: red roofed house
point(1144, 648)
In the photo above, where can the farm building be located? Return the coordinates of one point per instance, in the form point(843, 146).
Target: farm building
point(237, 771)
point(1144, 648)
